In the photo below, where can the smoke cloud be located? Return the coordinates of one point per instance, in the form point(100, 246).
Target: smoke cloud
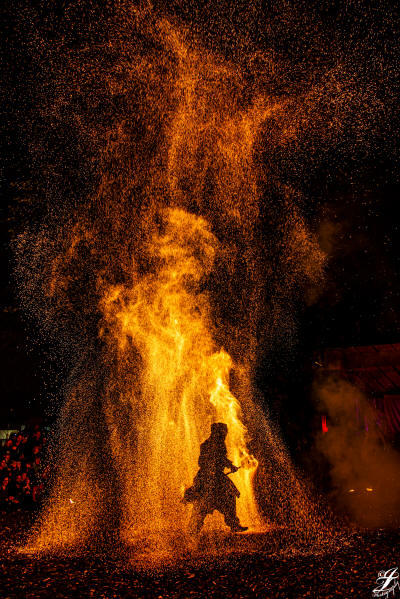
point(364, 468)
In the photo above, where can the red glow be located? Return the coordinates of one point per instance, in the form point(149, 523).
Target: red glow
point(324, 425)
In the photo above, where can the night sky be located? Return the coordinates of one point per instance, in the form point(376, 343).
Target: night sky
point(350, 193)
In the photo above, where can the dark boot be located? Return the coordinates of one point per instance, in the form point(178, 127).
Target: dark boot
point(238, 528)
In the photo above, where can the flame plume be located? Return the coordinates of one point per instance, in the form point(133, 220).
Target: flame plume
point(184, 376)
point(155, 286)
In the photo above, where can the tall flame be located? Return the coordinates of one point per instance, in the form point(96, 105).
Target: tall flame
point(184, 375)
point(155, 286)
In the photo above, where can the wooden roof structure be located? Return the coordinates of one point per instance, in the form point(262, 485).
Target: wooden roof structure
point(373, 368)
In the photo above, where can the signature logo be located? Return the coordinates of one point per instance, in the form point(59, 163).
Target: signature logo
point(387, 583)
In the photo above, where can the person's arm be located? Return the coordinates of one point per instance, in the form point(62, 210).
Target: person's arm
point(227, 462)
point(231, 466)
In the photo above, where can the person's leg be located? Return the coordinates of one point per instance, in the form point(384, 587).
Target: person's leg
point(196, 518)
point(228, 509)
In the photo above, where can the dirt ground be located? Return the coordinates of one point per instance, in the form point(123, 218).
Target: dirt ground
point(246, 567)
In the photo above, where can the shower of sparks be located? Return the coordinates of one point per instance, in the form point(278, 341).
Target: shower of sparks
point(154, 281)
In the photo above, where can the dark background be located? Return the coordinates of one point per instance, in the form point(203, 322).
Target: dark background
point(350, 197)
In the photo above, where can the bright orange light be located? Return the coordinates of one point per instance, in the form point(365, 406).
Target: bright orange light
point(184, 376)
point(163, 268)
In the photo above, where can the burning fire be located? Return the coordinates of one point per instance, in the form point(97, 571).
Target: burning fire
point(184, 376)
point(155, 285)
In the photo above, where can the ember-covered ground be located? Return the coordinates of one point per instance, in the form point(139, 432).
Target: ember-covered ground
point(349, 571)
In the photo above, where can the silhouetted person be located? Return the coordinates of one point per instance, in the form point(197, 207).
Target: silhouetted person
point(212, 489)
